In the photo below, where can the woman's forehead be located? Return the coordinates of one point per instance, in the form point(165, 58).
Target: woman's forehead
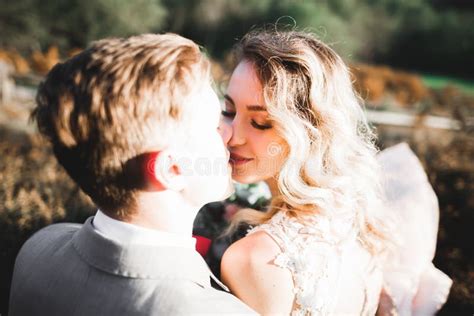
point(245, 86)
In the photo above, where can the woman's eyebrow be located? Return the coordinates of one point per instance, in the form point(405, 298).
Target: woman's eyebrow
point(257, 108)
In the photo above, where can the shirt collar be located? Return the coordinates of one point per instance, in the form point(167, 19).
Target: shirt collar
point(139, 261)
point(127, 233)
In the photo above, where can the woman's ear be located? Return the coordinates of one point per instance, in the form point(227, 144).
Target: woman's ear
point(166, 171)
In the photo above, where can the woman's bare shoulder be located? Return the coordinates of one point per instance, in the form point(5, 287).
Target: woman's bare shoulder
point(252, 249)
point(247, 268)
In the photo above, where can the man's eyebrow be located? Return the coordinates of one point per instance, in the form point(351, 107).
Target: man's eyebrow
point(259, 108)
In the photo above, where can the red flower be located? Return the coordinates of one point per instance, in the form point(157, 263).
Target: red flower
point(202, 244)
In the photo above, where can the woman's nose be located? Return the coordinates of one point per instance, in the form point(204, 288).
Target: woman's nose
point(238, 133)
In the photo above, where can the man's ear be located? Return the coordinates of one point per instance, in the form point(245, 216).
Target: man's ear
point(166, 171)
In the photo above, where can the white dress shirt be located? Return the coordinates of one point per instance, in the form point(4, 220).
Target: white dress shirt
point(132, 234)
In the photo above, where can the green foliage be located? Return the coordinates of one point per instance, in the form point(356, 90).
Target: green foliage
point(216, 24)
point(428, 35)
point(438, 82)
point(433, 41)
point(74, 23)
point(19, 24)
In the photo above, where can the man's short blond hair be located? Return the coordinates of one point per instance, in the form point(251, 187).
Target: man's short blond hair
point(106, 106)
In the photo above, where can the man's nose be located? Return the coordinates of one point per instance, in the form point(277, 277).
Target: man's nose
point(225, 130)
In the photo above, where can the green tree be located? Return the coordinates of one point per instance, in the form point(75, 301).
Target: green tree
point(20, 24)
point(74, 23)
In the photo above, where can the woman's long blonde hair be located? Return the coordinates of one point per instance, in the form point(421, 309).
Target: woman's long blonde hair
point(331, 166)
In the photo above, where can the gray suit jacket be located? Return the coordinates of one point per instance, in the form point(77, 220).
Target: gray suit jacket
point(71, 269)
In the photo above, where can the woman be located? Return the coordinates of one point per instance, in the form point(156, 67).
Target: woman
point(298, 125)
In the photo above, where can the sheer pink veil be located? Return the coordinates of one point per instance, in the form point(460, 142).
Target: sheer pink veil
point(414, 284)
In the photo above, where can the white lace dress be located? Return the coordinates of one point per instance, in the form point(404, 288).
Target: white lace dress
point(318, 252)
point(334, 275)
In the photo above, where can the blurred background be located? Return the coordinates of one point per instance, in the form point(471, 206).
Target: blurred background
point(412, 62)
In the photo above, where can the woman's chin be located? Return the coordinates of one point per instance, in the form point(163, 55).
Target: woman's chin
point(246, 178)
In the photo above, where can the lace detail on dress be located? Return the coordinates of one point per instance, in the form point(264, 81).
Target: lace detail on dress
point(312, 251)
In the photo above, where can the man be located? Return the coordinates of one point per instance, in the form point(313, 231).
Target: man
point(135, 123)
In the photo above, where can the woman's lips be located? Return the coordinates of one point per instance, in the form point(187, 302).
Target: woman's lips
point(237, 160)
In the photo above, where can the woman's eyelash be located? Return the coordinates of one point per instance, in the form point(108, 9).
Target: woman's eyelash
point(262, 127)
point(252, 122)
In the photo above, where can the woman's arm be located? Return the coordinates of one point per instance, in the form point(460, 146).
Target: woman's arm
point(248, 270)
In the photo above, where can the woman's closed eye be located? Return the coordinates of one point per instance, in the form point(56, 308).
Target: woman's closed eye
point(253, 122)
point(261, 126)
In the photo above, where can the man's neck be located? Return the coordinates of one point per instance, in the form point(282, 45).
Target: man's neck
point(165, 212)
